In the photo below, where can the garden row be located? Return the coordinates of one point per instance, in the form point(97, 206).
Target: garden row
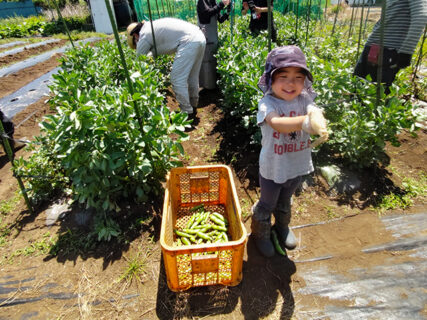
point(105, 145)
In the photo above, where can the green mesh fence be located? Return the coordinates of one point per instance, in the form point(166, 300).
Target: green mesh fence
point(301, 7)
point(186, 9)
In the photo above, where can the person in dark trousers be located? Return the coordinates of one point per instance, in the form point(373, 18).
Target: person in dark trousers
point(259, 16)
point(9, 129)
point(404, 23)
point(208, 15)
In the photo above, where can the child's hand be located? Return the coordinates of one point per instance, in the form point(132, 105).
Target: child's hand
point(315, 123)
point(318, 122)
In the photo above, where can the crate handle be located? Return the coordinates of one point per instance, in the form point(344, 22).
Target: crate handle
point(205, 264)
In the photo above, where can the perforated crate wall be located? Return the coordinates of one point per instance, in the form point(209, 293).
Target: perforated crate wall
point(202, 264)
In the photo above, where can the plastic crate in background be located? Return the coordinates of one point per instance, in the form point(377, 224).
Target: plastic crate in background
point(186, 188)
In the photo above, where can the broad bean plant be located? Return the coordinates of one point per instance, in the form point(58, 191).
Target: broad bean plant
point(95, 138)
point(360, 125)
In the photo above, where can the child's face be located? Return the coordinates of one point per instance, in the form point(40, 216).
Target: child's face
point(288, 83)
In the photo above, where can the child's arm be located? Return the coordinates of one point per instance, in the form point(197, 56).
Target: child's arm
point(284, 124)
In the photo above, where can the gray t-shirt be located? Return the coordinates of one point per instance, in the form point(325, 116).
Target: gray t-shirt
point(284, 156)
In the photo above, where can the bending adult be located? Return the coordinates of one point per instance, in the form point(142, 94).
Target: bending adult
point(208, 16)
point(404, 23)
point(259, 16)
point(186, 41)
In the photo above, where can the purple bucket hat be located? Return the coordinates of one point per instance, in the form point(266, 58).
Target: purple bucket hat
point(282, 57)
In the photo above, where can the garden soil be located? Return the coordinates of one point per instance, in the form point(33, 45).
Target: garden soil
point(332, 231)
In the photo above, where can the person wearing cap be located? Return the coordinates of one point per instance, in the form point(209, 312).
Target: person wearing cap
point(404, 23)
point(259, 16)
point(287, 117)
point(208, 16)
point(173, 36)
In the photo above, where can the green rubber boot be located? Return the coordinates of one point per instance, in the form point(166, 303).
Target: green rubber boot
point(261, 230)
point(282, 216)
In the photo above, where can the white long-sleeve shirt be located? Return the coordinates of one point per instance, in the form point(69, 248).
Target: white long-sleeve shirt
point(169, 34)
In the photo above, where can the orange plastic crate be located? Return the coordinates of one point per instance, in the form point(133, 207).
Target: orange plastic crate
point(187, 187)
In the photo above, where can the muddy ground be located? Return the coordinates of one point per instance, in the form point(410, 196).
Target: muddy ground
point(89, 284)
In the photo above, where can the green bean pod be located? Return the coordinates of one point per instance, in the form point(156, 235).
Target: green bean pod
point(203, 236)
point(217, 220)
point(220, 216)
point(277, 244)
point(183, 234)
point(220, 228)
point(185, 241)
point(195, 208)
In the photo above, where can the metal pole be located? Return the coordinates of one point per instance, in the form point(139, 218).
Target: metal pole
point(63, 21)
point(122, 56)
point(366, 20)
point(168, 5)
point(360, 30)
point(9, 153)
point(351, 22)
point(326, 8)
point(420, 55)
point(232, 20)
point(296, 21)
point(381, 53)
point(130, 85)
point(285, 7)
point(319, 10)
point(152, 28)
point(163, 8)
point(269, 13)
point(336, 16)
point(158, 11)
point(308, 22)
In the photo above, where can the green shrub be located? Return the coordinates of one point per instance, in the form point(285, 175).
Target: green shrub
point(94, 139)
point(38, 25)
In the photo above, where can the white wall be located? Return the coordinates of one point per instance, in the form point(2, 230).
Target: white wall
point(100, 16)
point(350, 2)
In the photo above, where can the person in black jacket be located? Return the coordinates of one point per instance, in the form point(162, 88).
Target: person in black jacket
point(8, 127)
point(209, 14)
point(208, 9)
point(259, 16)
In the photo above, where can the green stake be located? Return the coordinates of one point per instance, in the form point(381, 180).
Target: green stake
point(63, 21)
point(381, 53)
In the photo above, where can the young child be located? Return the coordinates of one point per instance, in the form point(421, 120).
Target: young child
point(287, 116)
